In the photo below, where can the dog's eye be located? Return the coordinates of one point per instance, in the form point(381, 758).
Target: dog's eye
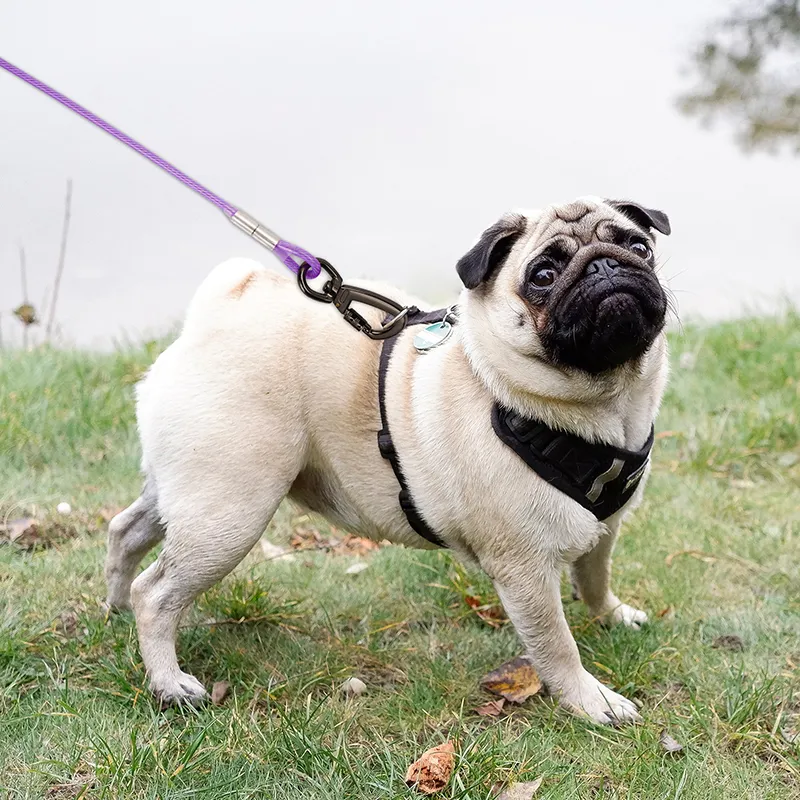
point(543, 277)
point(641, 249)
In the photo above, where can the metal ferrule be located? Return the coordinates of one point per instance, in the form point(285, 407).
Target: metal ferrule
point(256, 230)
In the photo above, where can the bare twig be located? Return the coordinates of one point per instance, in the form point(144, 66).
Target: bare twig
point(23, 272)
point(61, 258)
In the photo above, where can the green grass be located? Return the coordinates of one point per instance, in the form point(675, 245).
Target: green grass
point(715, 551)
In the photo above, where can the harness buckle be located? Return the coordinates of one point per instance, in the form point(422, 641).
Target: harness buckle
point(343, 296)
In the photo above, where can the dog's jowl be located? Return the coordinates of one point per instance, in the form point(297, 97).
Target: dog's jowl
point(522, 439)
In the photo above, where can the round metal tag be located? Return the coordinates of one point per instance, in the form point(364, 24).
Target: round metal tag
point(433, 336)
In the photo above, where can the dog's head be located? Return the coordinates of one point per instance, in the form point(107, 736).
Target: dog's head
point(573, 285)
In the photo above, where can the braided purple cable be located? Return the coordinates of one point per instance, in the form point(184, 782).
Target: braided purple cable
point(223, 205)
point(284, 250)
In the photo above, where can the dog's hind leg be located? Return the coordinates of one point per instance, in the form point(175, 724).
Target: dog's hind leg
point(131, 534)
point(591, 581)
point(208, 534)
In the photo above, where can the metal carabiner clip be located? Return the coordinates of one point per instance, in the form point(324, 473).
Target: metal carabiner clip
point(343, 296)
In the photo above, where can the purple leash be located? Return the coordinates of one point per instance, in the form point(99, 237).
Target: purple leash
point(285, 251)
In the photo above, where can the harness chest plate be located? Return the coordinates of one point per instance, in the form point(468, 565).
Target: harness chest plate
point(601, 477)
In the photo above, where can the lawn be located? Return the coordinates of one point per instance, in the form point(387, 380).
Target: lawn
point(713, 555)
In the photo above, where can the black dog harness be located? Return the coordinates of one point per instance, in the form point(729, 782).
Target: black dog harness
point(600, 477)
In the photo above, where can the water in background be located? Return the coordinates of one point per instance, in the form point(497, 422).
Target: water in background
point(384, 138)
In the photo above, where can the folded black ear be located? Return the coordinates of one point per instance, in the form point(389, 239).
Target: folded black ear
point(491, 251)
point(646, 217)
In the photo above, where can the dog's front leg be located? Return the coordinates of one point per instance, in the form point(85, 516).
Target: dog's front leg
point(530, 592)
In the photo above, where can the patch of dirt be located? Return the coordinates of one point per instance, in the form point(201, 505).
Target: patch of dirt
point(728, 642)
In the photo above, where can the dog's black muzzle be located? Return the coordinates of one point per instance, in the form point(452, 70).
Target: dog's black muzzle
point(609, 313)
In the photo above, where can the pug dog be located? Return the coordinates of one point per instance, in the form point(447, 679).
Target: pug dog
point(267, 395)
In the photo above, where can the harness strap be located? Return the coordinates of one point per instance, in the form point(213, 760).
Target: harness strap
point(385, 444)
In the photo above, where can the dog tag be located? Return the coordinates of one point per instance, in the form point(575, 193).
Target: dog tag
point(433, 336)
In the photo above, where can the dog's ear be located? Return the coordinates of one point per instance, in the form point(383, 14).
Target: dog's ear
point(491, 250)
point(646, 217)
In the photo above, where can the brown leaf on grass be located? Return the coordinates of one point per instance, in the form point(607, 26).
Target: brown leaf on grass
point(68, 621)
point(491, 614)
point(491, 709)
point(790, 731)
point(24, 531)
point(698, 554)
point(521, 791)
point(307, 537)
point(431, 771)
point(516, 680)
point(669, 744)
point(356, 545)
point(32, 533)
point(664, 612)
point(219, 691)
point(728, 642)
point(76, 788)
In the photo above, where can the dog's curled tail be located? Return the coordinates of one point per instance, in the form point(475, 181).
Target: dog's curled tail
point(228, 283)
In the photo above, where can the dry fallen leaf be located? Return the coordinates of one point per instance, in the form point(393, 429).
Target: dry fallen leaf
point(729, 642)
point(306, 537)
point(219, 691)
point(790, 732)
point(491, 709)
point(69, 622)
point(24, 532)
point(669, 744)
point(521, 791)
point(431, 771)
point(491, 614)
point(664, 612)
point(698, 554)
point(76, 788)
point(516, 680)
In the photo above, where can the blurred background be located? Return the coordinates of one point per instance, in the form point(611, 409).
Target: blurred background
point(385, 137)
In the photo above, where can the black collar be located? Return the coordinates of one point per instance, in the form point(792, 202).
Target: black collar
point(600, 477)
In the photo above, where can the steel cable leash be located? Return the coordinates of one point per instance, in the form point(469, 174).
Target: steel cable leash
point(295, 258)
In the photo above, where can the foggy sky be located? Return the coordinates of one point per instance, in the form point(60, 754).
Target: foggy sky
point(382, 136)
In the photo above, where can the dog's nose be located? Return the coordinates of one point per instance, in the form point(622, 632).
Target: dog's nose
point(603, 266)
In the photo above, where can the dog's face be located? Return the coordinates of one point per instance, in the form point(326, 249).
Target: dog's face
point(573, 285)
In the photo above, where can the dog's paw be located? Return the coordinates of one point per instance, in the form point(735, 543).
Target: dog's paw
point(589, 698)
point(628, 616)
point(115, 604)
point(177, 689)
